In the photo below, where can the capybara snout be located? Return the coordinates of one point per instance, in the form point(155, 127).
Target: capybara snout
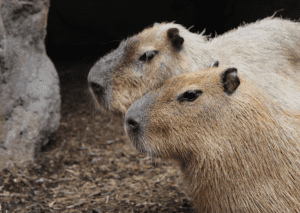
point(135, 121)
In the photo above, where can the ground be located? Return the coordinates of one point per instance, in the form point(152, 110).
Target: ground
point(89, 164)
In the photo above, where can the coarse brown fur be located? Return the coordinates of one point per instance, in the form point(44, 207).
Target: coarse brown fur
point(267, 52)
point(239, 151)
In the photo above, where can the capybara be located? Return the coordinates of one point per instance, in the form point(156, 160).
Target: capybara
point(266, 52)
point(238, 150)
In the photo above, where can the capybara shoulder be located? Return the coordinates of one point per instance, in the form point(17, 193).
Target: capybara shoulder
point(267, 52)
point(238, 150)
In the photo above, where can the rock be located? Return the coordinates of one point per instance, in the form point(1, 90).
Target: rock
point(29, 85)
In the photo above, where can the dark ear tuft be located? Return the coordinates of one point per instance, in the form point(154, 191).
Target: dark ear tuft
point(215, 64)
point(175, 38)
point(230, 80)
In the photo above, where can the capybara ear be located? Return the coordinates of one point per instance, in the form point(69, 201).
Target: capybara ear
point(230, 80)
point(175, 38)
point(215, 64)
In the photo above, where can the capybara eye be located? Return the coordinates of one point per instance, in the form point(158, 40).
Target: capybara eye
point(189, 95)
point(147, 56)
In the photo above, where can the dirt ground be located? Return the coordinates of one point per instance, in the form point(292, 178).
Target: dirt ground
point(89, 165)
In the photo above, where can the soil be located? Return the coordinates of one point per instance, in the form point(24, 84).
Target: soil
point(89, 164)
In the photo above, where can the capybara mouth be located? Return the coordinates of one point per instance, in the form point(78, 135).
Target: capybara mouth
point(136, 141)
point(117, 113)
point(100, 104)
point(142, 146)
point(112, 112)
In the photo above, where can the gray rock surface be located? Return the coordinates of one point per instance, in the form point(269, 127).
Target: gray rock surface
point(29, 85)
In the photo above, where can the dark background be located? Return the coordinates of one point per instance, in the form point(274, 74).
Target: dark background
point(79, 32)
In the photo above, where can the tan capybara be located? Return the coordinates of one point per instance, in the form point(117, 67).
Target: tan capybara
point(238, 150)
point(266, 52)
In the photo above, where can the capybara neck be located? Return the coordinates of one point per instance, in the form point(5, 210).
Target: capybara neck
point(248, 151)
point(252, 153)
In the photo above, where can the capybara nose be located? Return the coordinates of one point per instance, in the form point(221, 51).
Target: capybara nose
point(96, 88)
point(136, 117)
point(132, 124)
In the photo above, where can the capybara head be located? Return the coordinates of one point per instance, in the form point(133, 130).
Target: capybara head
point(238, 150)
point(139, 64)
point(179, 105)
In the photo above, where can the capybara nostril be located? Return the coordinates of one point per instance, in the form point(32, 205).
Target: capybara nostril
point(132, 124)
point(97, 88)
